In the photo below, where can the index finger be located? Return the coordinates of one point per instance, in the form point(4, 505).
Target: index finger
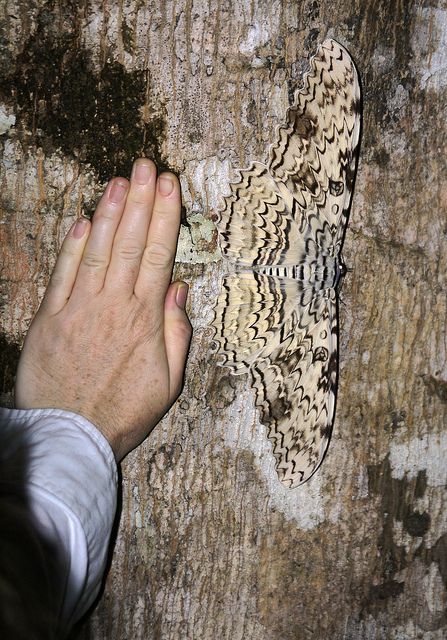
point(157, 262)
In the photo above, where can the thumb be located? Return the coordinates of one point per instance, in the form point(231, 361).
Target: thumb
point(177, 332)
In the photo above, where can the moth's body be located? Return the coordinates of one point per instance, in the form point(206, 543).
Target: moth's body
point(283, 227)
point(319, 275)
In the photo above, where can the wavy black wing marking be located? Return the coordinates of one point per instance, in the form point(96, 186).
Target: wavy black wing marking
point(316, 151)
point(311, 169)
point(285, 221)
point(296, 390)
point(258, 224)
point(250, 309)
point(287, 338)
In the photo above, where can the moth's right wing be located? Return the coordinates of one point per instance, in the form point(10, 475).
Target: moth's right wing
point(286, 338)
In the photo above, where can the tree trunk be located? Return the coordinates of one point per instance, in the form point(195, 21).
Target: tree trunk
point(209, 544)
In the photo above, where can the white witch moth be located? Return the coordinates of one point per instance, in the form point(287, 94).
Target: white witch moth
point(283, 226)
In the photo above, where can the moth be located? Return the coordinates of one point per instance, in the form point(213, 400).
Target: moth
point(282, 227)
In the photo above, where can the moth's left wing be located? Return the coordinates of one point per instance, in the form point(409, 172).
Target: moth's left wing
point(316, 150)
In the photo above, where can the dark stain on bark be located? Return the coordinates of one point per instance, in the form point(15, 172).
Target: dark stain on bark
point(127, 34)
point(9, 358)
point(381, 157)
point(436, 387)
point(396, 420)
point(397, 496)
point(313, 10)
point(416, 524)
point(311, 41)
point(222, 392)
point(62, 102)
point(389, 589)
point(384, 27)
point(437, 554)
point(165, 456)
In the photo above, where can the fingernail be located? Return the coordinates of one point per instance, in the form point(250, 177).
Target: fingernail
point(79, 228)
point(142, 172)
point(117, 191)
point(181, 295)
point(165, 185)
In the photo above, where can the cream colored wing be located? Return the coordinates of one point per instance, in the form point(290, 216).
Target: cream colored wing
point(296, 390)
point(285, 221)
point(258, 224)
point(287, 340)
point(316, 152)
point(251, 314)
point(310, 170)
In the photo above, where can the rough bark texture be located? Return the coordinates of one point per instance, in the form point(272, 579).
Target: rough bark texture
point(209, 544)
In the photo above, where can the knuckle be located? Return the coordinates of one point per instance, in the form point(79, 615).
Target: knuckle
point(129, 252)
point(161, 210)
point(107, 214)
point(157, 255)
point(56, 279)
point(184, 332)
point(68, 251)
point(94, 260)
point(139, 200)
point(167, 214)
point(185, 329)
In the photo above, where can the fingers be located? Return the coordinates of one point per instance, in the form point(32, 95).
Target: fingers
point(66, 267)
point(133, 238)
point(158, 257)
point(97, 253)
point(177, 332)
point(130, 238)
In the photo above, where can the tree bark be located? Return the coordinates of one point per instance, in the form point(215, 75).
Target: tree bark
point(209, 544)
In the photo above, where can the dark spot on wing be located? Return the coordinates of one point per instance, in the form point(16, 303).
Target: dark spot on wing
point(336, 188)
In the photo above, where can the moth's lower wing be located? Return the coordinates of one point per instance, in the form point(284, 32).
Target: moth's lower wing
point(316, 150)
point(259, 224)
point(295, 391)
point(287, 339)
point(252, 316)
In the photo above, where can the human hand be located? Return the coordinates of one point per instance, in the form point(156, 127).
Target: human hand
point(111, 336)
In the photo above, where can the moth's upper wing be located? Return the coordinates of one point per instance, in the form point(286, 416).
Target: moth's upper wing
point(260, 223)
point(316, 151)
point(295, 391)
point(248, 316)
point(310, 170)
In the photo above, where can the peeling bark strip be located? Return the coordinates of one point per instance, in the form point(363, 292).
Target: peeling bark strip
point(209, 545)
